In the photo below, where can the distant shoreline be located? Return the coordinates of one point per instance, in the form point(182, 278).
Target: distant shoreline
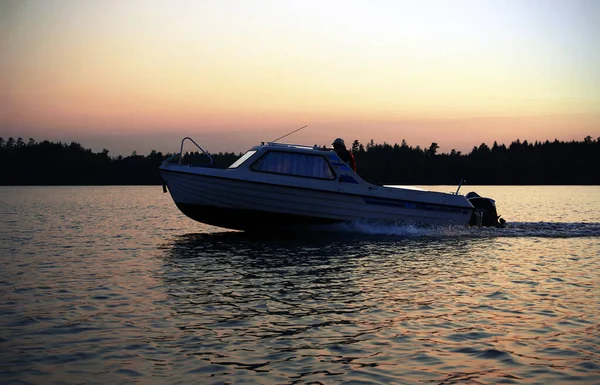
point(554, 163)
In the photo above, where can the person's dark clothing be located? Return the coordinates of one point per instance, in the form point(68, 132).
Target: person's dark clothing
point(347, 157)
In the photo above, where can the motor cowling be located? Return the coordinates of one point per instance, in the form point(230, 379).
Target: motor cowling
point(485, 213)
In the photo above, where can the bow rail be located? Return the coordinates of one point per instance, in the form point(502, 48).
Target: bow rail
point(180, 154)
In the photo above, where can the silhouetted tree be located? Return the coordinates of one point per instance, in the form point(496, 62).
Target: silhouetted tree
point(370, 145)
point(432, 149)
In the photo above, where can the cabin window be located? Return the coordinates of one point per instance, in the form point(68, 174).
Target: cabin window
point(242, 159)
point(296, 164)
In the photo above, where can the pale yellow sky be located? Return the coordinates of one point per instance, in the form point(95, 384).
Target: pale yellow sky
point(453, 72)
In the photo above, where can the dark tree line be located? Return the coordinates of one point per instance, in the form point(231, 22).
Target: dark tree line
point(520, 163)
point(575, 162)
point(50, 163)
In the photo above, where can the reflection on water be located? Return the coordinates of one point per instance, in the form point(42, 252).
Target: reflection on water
point(380, 309)
point(113, 285)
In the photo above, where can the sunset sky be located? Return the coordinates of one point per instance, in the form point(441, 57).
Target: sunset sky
point(138, 75)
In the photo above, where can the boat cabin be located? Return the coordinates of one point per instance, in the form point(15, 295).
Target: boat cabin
point(296, 160)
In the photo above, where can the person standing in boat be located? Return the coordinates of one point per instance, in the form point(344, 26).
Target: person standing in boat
point(340, 149)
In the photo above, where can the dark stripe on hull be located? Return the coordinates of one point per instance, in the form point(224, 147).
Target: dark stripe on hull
point(248, 220)
point(416, 206)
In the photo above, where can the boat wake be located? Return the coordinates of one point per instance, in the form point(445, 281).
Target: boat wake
point(512, 230)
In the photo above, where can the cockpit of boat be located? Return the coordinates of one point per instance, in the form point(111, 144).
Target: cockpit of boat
point(291, 160)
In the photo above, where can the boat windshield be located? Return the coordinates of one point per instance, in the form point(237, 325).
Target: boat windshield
point(295, 164)
point(242, 159)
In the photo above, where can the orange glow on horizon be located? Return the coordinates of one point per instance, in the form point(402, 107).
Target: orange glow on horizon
point(434, 71)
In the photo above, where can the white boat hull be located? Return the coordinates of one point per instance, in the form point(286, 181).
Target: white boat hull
point(255, 205)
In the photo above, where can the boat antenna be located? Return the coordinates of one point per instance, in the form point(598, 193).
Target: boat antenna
point(462, 180)
point(289, 133)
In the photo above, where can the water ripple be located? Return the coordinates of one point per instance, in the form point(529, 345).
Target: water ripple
point(102, 285)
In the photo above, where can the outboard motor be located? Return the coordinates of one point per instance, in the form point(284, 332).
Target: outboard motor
point(485, 212)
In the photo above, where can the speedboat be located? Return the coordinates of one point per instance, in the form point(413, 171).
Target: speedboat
point(277, 186)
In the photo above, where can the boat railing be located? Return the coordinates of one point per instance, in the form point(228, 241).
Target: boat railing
point(180, 154)
point(315, 147)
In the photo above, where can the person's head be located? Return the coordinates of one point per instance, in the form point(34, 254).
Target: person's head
point(339, 144)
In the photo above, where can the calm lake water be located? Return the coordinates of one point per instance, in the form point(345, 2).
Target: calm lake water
point(113, 285)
